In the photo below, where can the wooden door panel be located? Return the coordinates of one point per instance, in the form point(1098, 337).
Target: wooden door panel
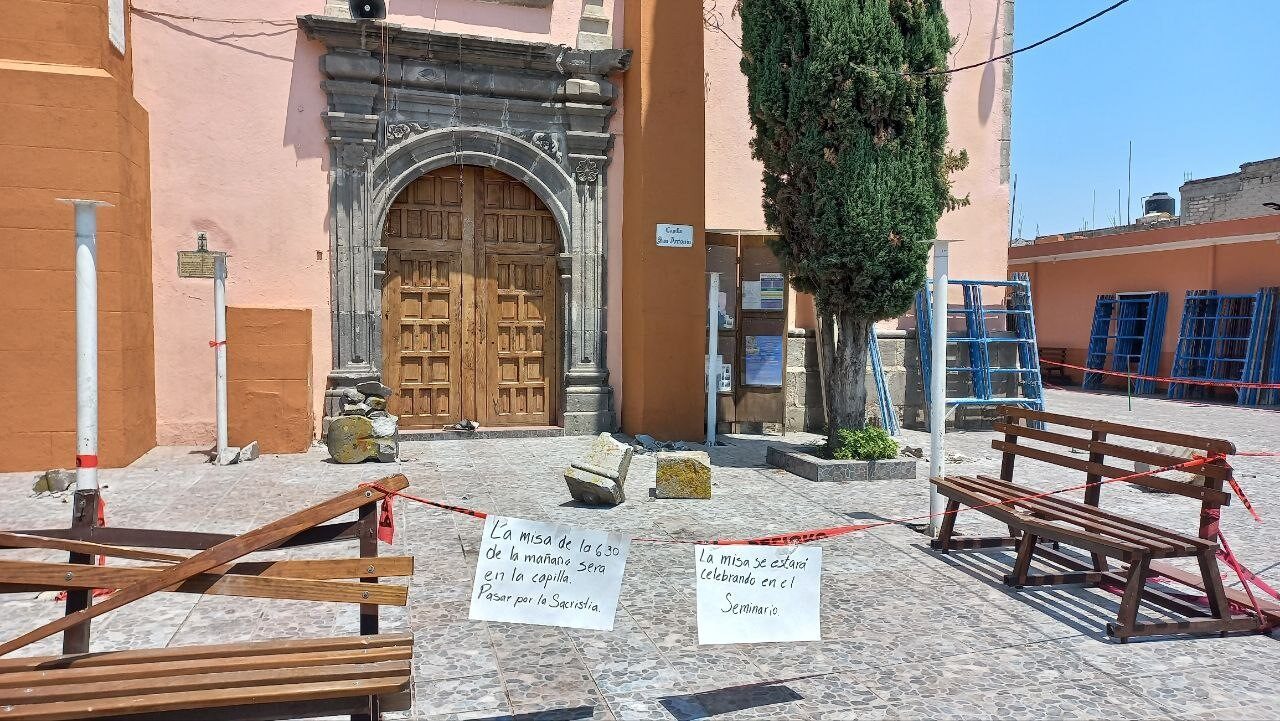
point(512, 219)
point(429, 214)
point(423, 320)
point(521, 360)
point(422, 357)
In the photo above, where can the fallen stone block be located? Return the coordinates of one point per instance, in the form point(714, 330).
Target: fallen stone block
point(355, 409)
point(250, 452)
point(348, 439)
point(227, 456)
point(386, 450)
point(384, 424)
point(598, 478)
point(683, 474)
point(55, 480)
point(374, 388)
point(377, 403)
point(1169, 449)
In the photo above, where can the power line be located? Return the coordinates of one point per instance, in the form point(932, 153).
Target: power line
point(173, 16)
point(1036, 44)
point(712, 25)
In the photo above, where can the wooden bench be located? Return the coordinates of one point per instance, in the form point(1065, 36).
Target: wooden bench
point(1052, 371)
point(267, 680)
point(1038, 525)
point(289, 678)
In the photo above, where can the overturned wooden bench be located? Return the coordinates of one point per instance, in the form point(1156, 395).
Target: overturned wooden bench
point(1038, 525)
point(289, 678)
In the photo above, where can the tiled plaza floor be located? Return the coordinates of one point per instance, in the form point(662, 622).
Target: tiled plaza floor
point(906, 633)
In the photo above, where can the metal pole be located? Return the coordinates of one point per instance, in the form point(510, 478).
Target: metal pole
point(86, 342)
point(713, 349)
point(938, 382)
point(1128, 380)
point(220, 351)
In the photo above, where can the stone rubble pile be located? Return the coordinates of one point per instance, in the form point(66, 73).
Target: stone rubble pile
point(236, 454)
point(648, 444)
point(365, 429)
point(55, 480)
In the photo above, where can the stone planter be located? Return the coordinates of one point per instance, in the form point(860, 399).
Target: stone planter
point(814, 468)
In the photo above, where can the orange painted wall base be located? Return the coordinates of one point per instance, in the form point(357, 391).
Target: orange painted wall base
point(269, 378)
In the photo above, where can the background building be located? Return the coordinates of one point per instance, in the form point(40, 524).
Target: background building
point(1226, 239)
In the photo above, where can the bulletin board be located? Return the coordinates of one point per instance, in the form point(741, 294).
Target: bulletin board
point(753, 329)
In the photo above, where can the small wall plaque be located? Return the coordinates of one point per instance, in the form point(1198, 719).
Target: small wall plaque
point(195, 264)
point(675, 236)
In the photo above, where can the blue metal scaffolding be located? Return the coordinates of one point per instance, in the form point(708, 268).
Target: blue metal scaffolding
point(1228, 339)
point(888, 416)
point(1128, 331)
point(979, 337)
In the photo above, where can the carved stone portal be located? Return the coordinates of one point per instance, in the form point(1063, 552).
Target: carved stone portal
point(403, 102)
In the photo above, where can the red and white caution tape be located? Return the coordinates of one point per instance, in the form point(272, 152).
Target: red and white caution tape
point(1163, 379)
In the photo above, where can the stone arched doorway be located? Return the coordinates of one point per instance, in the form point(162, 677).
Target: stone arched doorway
point(405, 101)
point(470, 301)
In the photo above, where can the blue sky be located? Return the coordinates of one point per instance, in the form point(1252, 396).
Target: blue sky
point(1194, 83)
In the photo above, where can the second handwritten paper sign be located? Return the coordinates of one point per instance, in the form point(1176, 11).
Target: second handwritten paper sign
point(757, 594)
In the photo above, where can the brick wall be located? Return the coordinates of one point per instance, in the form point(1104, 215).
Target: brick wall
point(1238, 195)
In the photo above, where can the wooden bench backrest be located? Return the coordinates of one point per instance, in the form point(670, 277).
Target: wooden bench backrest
point(1112, 440)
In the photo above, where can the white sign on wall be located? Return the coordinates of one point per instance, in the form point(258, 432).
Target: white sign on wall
point(758, 594)
point(548, 574)
point(675, 236)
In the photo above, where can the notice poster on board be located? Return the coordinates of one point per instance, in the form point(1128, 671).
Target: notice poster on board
point(751, 295)
point(771, 290)
point(762, 360)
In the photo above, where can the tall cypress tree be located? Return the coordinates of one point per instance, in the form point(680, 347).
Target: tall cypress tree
point(851, 129)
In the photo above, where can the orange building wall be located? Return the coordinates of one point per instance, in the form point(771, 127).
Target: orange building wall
point(664, 290)
point(70, 127)
point(1064, 291)
point(269, 378)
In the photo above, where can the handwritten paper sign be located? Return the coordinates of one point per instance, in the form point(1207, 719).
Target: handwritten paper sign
point(758, 594)
point(548, 574)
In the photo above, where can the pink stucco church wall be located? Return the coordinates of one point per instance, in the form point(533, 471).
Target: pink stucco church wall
point(238, 150)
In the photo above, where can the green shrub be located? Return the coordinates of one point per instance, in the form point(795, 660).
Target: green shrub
point(867, 444)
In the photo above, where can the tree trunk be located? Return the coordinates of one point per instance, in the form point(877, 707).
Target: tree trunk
point(846, 387)
point(826, 347)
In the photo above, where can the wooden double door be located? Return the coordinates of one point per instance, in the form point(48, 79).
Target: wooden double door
point(469, 302)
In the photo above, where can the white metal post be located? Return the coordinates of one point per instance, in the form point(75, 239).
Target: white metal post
point(938, 382)
point(713, 350)
point(220, 351)
point(86, 342)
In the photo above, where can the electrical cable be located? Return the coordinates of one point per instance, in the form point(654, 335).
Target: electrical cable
point(174, 16)
point(715, 26)
point(1036, 44)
